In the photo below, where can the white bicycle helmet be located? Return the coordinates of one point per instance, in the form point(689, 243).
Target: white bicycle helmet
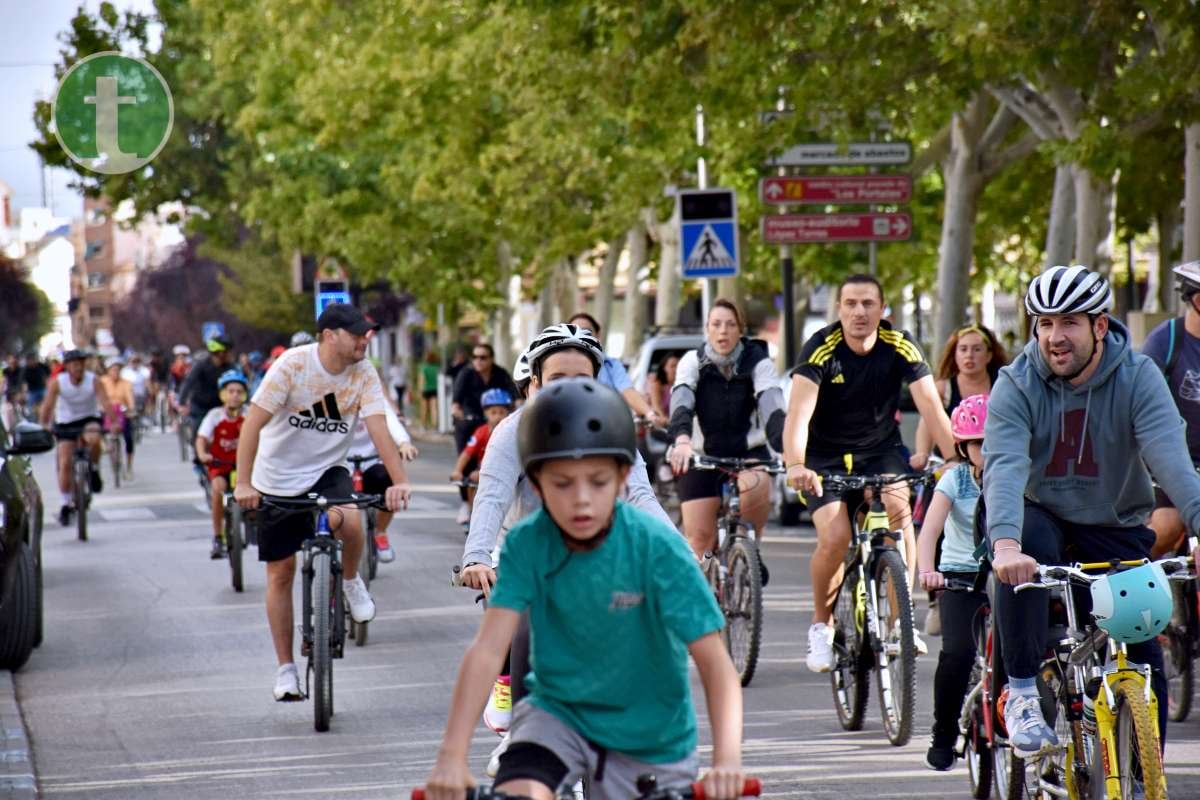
point(1068, 290)
point(561, 336)
point(521, 369)
point(1187, 277)
point(301, 338)
point(181, 350)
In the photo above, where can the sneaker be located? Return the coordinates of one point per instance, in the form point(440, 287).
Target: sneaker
point(362, 607)
point(1028, 732)
point(386, 554)
point(497, 715)
point(493, 765)
point(919, 643)
point(933, 619)
point(287, 684)
point(939, 758)
point(218, 550)
point(464, 514)
point(820, 647)
point(64, 516)
point(95, 480)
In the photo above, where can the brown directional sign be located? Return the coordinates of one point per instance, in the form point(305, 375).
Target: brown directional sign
point(832, 189)
point(816, 228)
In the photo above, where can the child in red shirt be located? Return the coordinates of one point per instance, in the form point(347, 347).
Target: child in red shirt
point(497, 404)
point(216, 446)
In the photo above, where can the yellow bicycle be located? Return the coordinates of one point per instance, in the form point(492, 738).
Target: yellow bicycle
point(1105, 714)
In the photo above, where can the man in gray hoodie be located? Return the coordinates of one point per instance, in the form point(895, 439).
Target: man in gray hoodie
point(1072, 424)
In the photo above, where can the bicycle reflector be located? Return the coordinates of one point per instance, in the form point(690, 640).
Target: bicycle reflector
point(1133, 606)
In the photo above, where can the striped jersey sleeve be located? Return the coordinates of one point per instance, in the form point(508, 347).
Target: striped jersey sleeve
point(817, 353)
point(908, 351)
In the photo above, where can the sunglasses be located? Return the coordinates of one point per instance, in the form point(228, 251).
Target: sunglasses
point(484, 357)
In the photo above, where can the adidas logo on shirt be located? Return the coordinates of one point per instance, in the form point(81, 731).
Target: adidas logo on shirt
point(839, 378)
point(324, 417)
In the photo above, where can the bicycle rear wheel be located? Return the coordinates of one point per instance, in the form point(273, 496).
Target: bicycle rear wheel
point(321, 660)
point(82, 493)
point(1138, 756)
point(743, 607)
point(370, 548)
point(234, 543)
point(851, 675)
point(896, 659)
point(977, 751)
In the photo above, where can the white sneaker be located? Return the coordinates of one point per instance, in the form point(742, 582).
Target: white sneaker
point(919, 643)
point(497, 715)
point(362, 607)
point(464, 514)
point(493, 765)
point(287, 684)
point(820, 647)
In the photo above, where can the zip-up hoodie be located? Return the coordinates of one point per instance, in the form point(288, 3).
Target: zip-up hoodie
point(1078, 451)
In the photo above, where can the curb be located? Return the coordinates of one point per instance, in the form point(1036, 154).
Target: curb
point(17, 780)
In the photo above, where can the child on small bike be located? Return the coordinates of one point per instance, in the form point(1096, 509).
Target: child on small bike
point(496, 404)
point(951, 517)
point(216, 446)
point(612, 593)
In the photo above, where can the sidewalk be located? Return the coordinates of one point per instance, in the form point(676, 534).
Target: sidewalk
point(17, 781)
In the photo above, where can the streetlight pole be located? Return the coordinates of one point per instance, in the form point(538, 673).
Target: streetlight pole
point(707, 285)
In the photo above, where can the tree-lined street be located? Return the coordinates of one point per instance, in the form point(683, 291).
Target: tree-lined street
point(155, 676)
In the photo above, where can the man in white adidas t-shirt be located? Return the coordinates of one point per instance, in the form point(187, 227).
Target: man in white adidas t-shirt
point(298, 428)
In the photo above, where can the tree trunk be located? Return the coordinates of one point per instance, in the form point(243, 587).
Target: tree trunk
point(1191, 193)
point(547, 313)
point(954, 253)
point(670, 282)
point(1167, 223)
point(565, 289)
point(635, 302)
point(1108, 225)
point(1090, 213)
point(502, 315)
point(604, 289)
point(1060, 232)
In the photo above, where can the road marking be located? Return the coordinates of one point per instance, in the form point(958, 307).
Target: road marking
point(126, 514)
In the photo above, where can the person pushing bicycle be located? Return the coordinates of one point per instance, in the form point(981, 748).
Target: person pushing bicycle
point(633, 582)
point(1072, 425)
point(294, 441)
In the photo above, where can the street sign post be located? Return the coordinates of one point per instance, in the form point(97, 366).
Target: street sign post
point(832, 189)
point(817, 228)
point(327, 292)
point(211, 330)
point(855, 154)
point(708, 232)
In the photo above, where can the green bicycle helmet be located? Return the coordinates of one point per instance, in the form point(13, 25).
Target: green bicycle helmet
point(1135, 605)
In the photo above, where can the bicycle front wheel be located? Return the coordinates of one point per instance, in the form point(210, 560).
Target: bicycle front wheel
point(82, 481)
point(114, 454)
point(742, 604)
point(977, 751)
point(851, 675)
point(1138, 756)
point(321, 662)
point(1180, 670)
point(896, 656)
point(234, 543)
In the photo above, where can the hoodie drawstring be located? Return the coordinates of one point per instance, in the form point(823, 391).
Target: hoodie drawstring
point(1087, 407)
point(1062, 419)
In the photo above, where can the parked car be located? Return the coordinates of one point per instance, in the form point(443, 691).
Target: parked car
point(20, 543)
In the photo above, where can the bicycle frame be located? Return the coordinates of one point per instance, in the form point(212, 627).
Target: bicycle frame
point(323, 541)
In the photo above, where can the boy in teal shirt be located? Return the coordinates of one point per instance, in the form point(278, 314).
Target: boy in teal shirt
point(616, 604)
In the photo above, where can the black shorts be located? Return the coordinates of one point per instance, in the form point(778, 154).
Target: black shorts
point(70, 431)
point(429, 394)
point(375, 479)
point(700, 484)
point(887, 462)
point(281, 532)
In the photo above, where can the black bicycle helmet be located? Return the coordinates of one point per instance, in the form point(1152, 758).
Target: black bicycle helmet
point(576, 418)
point(74, 355)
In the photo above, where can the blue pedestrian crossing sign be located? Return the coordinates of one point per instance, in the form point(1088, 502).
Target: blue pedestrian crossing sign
point(708, 232)
point(327, 292)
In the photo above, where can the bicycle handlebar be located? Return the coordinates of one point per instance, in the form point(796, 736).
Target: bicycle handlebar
point(314, 501)
point(358, 461)
point(841, 482)
point(465, 483)
point(751, 787)
point(1050, 576)
point(771, 465)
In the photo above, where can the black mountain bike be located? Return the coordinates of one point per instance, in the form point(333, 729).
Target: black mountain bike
point(734, 569)
point(323, 619)
point(873, 613)
point(81, 484)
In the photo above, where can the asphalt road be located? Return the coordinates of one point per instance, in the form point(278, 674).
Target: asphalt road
point(155, 677)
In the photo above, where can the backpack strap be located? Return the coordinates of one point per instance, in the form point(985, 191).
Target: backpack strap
point(1177, 331)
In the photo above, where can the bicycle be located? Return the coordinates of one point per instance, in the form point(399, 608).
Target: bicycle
point(653, 442)
point(236, 527)
point(114, 442)
point(1181, 643)
point(369, 563)
point(873, 613)
point(647, 786)
point(323, 619)
point(734, 568)
point(183, 429)
point(1116, 748)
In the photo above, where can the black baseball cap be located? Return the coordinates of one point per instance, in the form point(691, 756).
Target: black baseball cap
point(346, 316)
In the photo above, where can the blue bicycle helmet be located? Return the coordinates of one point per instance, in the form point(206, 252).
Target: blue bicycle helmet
point(495, 397)
point(232, 376)
point(1135, 605)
